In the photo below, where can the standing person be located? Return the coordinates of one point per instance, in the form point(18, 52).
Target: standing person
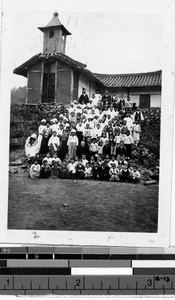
point(128, 141)
point(84, 97)
point(47, 132)
point(41, 130)
point(121, 151)
point(98, 98)
point(136, 132)
point(34, 171)
point(121, 102)
point(129, 122)
point(54, 144)
point(138, 116)
point(83, 148)
point(63, 144)
point(128, 103)
point(80, 129)
point(72, 144)
point(106, 97)
point(93, 147)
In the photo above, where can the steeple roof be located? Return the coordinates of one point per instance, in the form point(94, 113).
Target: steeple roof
point(55, 23)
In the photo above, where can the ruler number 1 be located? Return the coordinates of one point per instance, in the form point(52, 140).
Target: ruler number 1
point(8, 281)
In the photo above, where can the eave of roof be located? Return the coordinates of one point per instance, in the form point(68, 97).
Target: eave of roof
point(55, 26)
point(106, 80)
point(131, 79)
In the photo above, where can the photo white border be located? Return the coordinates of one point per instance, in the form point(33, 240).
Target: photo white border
point(160, 239)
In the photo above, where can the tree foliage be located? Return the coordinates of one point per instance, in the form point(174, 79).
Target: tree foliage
point(18, 95)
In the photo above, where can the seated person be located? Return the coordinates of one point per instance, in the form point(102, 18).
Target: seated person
point(125, 174)
point(45, 169)
point(114, 172)
point(95, 171)
point(80, 169)
point(63, 170)
point(113, 161)
point(55, 170)
point(71, 169)
point(34, 171)
point(135, 175)
point(88, 171)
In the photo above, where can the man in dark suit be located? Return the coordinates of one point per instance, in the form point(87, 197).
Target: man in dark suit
point(106, 98)
point(84, 98)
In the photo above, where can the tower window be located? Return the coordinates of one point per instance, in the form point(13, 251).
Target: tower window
point(51, 33)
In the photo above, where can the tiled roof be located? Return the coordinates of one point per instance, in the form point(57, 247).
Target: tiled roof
point(23, 69)
point(55, 22)
point(131, 80)
point(106, 80)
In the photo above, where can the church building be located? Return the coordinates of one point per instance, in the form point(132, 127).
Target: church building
point(54, 77)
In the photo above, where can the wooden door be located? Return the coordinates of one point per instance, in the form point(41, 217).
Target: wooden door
point(144, 101)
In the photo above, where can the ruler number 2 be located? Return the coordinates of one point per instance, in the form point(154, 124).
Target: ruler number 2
point(77, 282)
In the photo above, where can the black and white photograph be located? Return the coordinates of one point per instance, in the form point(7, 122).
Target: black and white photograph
point(85, 119)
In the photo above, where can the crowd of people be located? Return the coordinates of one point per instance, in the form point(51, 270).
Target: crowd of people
point(93, 139)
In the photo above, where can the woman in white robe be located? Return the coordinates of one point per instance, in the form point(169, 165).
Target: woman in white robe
point(31, 147)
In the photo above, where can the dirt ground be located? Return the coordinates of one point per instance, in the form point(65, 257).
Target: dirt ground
point(57, 204)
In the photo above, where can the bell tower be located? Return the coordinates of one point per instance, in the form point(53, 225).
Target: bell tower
point(55, 34)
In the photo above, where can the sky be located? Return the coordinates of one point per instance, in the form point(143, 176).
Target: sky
point(121, 38)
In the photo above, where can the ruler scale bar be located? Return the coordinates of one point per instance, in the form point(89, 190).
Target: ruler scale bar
point(33, 271)
point(87, 271)
point(81, 256)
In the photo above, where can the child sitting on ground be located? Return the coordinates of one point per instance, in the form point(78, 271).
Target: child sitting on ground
point(55, 170)
point(45, 169)
point(63, 170)
point(80, 169)
point(95, 171)
point(114, 173)
point(125, 174)
point(56, 158)
point(135, 175)
point(113, 161)
point(48, 159)
point(88, 171)
point(84, 160)
point(71, 169)
point(34, 171)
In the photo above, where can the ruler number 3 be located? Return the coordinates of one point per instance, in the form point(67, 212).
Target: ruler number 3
point(149, 282)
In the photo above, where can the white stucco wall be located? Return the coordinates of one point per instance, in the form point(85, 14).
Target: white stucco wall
point(135, 99)
point(155, 101)
point(83, 83)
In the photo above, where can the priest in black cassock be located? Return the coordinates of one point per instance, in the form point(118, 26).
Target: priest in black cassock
point(84, 98)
